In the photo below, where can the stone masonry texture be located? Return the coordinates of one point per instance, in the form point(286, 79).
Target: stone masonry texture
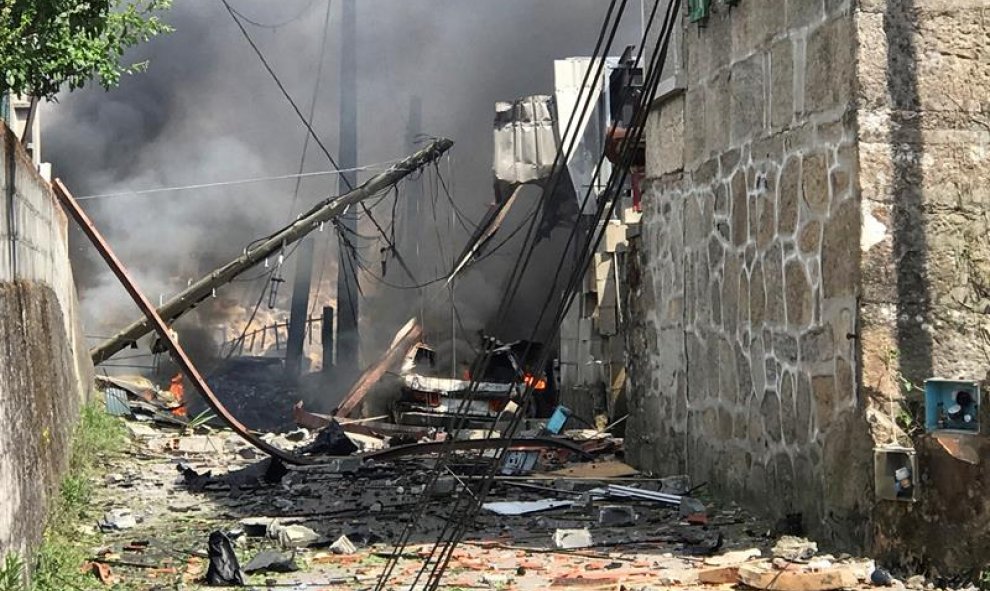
point(742, 356)
point(45, 371)
point(814, 247)
point(923, 70)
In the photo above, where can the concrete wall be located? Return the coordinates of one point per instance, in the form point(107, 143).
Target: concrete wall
point(592, 343)
point(743, 357)
point(924, 119)
point(45, 372)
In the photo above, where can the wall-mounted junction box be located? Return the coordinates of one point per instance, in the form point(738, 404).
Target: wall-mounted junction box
point(952, 406)
point(895, 473)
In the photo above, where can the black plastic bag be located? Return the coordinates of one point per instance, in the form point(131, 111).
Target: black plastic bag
point(331, 441)
point(224, 570)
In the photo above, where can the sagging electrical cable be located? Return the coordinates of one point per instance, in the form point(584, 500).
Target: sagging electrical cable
point(628, 150)
point(234, 182)
point(278, 25)
point(482, 361)
point(312, 104)
point(307, 124)
point(285, 92)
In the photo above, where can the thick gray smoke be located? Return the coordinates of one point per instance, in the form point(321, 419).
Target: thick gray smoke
point(207, 111)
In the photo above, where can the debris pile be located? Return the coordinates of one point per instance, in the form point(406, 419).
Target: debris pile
point(199, 505)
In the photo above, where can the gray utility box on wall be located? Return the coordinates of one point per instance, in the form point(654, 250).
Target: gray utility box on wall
point(895, 473)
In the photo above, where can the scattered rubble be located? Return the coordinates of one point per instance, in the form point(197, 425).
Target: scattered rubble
point(571, 538)
point(118, 519)
point(794, 548)
point(273, 562)
point(568, 517)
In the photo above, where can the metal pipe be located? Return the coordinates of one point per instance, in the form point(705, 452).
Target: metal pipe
point(321, 213)
point(158, 325)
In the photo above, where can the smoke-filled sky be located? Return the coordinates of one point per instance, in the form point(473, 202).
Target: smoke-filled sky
point(207, 111)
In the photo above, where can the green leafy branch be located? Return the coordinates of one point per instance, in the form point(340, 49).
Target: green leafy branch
point(46, 45)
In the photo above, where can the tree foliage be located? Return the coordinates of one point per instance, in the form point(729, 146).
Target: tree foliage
point(48, 44)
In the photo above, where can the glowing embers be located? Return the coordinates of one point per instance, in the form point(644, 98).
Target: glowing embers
point(952, 406)
point(895, 473)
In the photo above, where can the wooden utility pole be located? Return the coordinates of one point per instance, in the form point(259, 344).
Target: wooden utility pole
point(324, 211)
point(348, 310)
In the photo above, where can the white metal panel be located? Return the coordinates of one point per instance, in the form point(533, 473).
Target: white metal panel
point(525, 139)
point(588, 129)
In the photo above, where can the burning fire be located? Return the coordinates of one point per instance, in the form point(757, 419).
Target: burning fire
point(534, 382)
point(178, 392)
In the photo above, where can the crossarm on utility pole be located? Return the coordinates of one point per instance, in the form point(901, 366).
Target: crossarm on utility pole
point(309, 221)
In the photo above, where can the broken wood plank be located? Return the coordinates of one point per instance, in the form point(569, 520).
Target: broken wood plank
point(405, 339)
point(610, 469)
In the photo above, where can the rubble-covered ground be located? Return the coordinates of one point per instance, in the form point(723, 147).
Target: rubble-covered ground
point(162, 499)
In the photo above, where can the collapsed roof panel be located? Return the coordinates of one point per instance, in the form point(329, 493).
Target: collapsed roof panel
point(525, 139)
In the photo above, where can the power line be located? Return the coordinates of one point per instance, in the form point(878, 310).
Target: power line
point(285, 93)
point(262, 179)
point(302, 118)
point(481, 363)
point(302, 163)
point(312, 104)
point(607, 207)
point(616, 180)
point(278, 25)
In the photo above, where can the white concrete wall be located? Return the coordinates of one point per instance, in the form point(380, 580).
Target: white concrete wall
point(45, 372)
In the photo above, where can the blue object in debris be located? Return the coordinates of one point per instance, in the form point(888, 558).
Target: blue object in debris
point(116, 402)
point(558, 419)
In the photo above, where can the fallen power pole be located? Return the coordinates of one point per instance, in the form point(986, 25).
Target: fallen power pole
point(321, 213)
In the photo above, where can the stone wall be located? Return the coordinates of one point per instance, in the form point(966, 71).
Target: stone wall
point(743, 356)
point(924, 119)
point(45, 372)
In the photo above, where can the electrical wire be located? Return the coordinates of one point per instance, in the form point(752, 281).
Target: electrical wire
point(282, 177)
point(463, 219)
point(628, 148)
point(285, 93)
point(277, 25)
point(311, 131)
point(607, 207)
point(312, 104)
point(482, 361)
point(305, 149)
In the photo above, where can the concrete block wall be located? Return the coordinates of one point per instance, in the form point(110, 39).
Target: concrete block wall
point(743, 358)
point(923, 68)
point(45, 372)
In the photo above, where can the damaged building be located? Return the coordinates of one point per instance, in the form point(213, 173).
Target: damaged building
point(807, 296)
point(747, 304)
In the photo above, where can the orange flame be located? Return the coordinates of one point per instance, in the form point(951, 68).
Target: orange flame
point(178, 392)
point(534, 382)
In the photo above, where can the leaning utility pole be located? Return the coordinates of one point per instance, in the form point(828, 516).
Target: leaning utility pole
point(323, 212)
point(348, 313)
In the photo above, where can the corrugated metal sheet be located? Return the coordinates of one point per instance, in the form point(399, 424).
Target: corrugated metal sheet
point(525, 139)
